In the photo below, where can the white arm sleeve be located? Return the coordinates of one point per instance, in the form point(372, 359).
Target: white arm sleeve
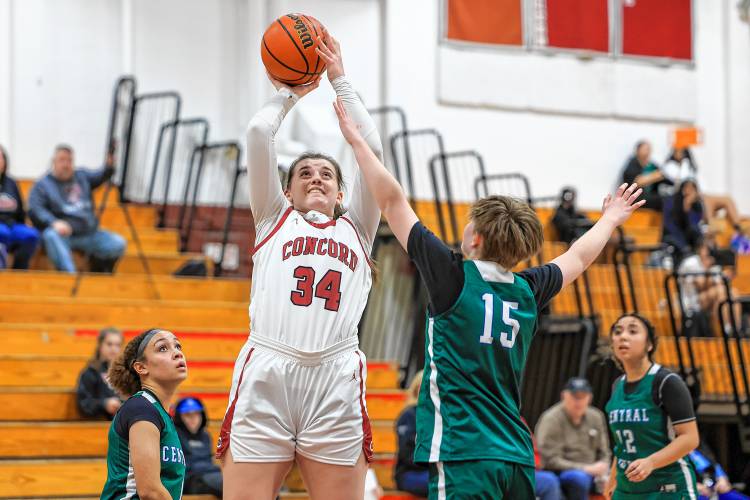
point(363, 208)
point(266, 196)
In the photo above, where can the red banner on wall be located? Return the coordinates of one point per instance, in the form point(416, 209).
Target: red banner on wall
point(659, 28)
point(578, 24)
point(485, 21)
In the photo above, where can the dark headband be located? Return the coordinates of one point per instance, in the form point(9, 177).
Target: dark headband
point(144, 342)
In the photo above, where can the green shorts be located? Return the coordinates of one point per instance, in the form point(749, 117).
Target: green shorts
point(658, 495)
point(481, 480)
point(679, 486)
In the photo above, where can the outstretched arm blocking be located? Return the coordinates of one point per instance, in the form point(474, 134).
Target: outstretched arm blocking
point(384, 187)
point(363, 208)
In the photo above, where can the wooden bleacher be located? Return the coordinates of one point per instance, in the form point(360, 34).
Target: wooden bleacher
point(48, 449)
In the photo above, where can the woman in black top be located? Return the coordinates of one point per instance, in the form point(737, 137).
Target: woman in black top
point(15, 235)
point(94, 395)
point(203, 475)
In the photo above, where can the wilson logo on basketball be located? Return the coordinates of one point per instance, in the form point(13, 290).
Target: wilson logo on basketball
point(288, 49)
point(304, 34)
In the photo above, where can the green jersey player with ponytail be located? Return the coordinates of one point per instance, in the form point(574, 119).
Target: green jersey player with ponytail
point(144, 456)
point(651, 419)
point(481, 320)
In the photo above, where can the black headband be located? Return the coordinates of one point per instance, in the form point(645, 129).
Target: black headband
point(144, 342)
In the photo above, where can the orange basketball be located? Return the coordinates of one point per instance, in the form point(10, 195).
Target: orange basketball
point(288, 49)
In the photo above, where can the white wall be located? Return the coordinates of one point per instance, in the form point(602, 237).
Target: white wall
point(536, 125)
point(64, 56)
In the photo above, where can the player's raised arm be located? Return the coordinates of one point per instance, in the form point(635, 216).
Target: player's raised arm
point(583, 252)
point(363, 208)
point(384, 187)
point(266, 197)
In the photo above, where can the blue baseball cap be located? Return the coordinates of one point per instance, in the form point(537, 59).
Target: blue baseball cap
point(187, 405)
point(578, 385)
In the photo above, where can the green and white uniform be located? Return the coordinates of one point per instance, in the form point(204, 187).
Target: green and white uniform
point(480, 325)
point(142, 406)
point(641, 417)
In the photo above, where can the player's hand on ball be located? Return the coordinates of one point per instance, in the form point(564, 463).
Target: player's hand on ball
point(623, 204)
point(349, 129)
point(640, 469)
point(330, 51)
point(299, 90)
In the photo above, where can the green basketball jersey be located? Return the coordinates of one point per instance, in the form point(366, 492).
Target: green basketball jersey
point(639, 428)
point(120, 476)
point(469, 401)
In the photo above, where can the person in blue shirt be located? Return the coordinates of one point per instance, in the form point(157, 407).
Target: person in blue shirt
point(712, 480)
point(61, 206)
point(203, 475)
point(15, 236)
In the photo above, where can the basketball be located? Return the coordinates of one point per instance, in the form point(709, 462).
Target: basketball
point(288, 49)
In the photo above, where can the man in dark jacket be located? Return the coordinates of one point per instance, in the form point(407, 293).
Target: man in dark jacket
point(15, 235)
point(203, 475)
point(61, 206)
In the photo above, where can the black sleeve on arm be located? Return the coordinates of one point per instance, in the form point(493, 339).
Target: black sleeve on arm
point(134, 410)
point(545, 282)
point(441, 268)
point(672, 394)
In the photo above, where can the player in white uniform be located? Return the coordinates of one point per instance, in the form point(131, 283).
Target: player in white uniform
point(298, 389)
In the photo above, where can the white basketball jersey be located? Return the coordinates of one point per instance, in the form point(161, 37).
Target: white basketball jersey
point(310, 280)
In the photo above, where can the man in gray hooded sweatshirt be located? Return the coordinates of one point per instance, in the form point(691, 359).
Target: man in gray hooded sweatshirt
point(61, 206)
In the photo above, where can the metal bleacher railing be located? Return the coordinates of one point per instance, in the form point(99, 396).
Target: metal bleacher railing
point(155, 147)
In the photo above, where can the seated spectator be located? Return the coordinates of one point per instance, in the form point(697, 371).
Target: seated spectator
point(61, 206)
point(647, 174)
point(687, 212)
point(572, 439)
point(701, 296)
point(410, 477)
point(683, 216)
point(94, 395)
point(203, 476)
point(15, 236)
point(713, 482)
point(568, 221)
point(680, 168)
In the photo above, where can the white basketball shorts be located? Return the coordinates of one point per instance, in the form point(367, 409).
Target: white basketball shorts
point(284, 401)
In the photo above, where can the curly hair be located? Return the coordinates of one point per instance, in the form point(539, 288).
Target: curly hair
point(122, 376)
